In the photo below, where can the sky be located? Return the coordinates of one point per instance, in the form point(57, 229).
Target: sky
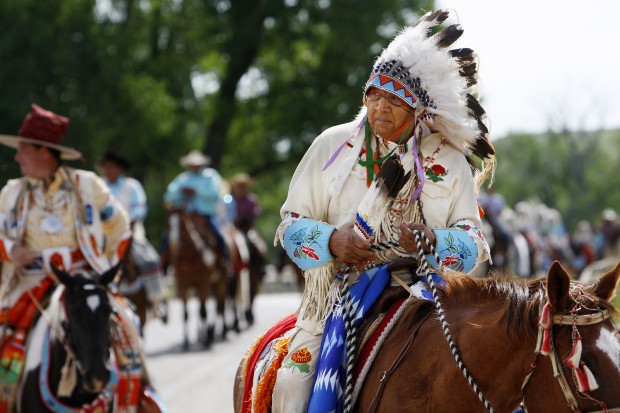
point(544, 64)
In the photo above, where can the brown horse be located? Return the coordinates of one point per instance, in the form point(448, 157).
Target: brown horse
point(495, 325)
point(194, 254)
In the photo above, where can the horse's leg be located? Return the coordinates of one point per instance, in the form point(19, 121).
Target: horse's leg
point(231, 294)
point(224, 287)
point(183, 295)
point(206, 330)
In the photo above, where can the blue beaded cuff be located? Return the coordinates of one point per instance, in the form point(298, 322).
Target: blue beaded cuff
point(456, 250)
point(307, 243)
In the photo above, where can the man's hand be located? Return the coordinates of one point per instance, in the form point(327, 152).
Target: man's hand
point(407, 237)
point(188, 191)
point(345, 244)
point(21, 256)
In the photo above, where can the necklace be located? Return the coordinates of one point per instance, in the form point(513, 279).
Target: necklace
point(51, 223)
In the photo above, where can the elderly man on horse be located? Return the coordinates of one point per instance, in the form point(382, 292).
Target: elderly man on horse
point(364, 189)
point(52, 217)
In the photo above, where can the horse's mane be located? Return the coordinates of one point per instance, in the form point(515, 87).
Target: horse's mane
point(522, 299)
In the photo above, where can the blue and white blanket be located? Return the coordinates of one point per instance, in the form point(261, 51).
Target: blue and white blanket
point(329, 380)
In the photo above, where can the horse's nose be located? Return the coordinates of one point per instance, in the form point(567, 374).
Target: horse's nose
point(97, 384)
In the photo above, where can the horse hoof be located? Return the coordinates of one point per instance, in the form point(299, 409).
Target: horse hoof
point(249, 317)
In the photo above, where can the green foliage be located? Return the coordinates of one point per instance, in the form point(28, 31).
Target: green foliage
point(122, 70)
point(574, 172)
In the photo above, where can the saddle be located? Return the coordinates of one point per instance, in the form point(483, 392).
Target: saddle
point(266, 355)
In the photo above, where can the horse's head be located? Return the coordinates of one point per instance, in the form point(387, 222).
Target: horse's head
point(582, 339)
point(87, 325)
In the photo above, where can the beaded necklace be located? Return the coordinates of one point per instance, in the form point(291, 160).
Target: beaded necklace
point(374, 160)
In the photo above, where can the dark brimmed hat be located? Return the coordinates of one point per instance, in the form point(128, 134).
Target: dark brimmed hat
point(112, 156)
point(45, 128)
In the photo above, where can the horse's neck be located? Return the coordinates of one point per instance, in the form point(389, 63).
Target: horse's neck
point(481, 332)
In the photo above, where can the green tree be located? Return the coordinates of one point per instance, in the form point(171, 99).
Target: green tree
point(251, 82)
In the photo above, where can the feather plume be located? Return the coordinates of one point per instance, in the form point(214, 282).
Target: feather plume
point(463, 54)
point(434, 18)
point(474, 106)
point(445, 37)
point(468, 71)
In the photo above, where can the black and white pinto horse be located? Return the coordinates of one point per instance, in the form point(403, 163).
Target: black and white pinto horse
point(70, 364)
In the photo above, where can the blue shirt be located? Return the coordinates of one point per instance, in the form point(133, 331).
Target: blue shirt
point(130, 194)
point(207, 186)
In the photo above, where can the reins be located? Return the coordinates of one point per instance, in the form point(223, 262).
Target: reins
point(424, 270)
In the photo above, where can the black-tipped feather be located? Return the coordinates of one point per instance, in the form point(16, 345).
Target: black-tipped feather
point(483, 148)
point(445, 37)
point(393, 176)
point(438, 16)
point(474, 106)
point(463, 53)
point(469, 72)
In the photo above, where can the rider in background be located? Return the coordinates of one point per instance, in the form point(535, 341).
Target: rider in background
point(607, 240)
point(246, 202)
point(198, 190)
point(53, 215)
point(131, 195)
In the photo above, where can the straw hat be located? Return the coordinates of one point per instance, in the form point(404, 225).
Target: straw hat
point(241, 179)
point(45, 128)
point(194, 158)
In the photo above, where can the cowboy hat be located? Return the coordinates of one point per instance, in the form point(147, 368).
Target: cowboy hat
point(45, 128)
point(194, 158)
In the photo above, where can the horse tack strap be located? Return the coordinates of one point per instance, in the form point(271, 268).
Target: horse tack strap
point(581, 320)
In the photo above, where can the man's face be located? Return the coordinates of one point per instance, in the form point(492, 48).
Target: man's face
point(111, 170)
point(386, 112)
point(31, 160)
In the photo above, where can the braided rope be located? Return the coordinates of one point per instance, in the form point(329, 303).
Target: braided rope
point(424, 270)
point(351, 329)
point(350, 342)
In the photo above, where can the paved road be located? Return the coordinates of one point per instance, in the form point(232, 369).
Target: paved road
point(198, 380)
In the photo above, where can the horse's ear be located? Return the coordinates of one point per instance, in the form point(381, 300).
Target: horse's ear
point(558, 286)
point(108, 276)
point(63, 276)
point(605, 288)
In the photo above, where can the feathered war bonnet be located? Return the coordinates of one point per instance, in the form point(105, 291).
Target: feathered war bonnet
point(422, 71)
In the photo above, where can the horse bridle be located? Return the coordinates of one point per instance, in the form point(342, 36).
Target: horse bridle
point(558, 370)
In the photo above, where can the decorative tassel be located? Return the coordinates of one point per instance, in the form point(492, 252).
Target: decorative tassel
point(545, 324)
point(315, 304)
point(582, 382)
point(589, 377)
point(264, 389)
point(68, 378)
point(545, 348)
point(574, 358)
